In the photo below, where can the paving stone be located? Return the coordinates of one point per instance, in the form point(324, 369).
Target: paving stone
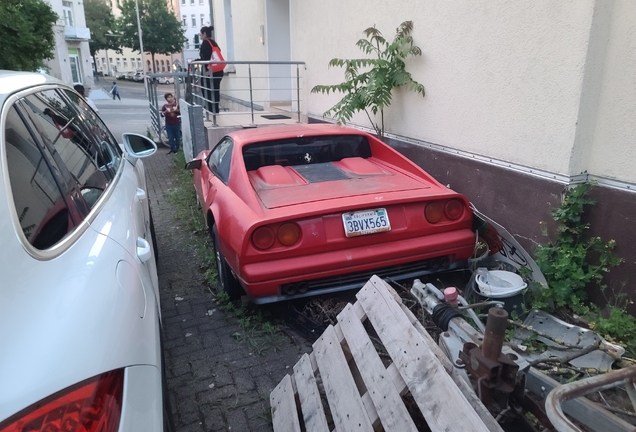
point(215, 382)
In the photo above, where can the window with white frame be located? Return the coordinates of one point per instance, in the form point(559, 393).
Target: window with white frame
point(183, 2)
point(196, 41)
point(68, 13)
point(191, 2)
point(194, 20)
point(125, 63)
point(184, 20)
point(202, 17)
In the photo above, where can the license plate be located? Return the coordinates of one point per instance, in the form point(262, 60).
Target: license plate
point(366, 222)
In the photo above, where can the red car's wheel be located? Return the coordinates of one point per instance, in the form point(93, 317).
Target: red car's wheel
point(225, 281)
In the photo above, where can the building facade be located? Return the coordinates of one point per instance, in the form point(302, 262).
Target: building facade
point(72, 60)
point(193, 15)
point(523, 99)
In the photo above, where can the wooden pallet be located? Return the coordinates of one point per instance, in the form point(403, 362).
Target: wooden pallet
point(364, 395)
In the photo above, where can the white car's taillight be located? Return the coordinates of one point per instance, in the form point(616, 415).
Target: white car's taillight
point(93, 405)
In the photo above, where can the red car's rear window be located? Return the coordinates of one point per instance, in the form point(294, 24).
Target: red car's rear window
point(305, 150)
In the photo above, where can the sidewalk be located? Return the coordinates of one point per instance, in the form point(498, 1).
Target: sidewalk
point(215, 382)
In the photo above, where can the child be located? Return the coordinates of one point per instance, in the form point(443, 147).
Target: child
point(171, 112)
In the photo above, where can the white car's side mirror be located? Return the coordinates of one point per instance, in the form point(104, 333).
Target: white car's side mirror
point(138, 146)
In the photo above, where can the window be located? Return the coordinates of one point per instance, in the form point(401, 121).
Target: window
point(40, 206)
point(183, 2)
point(308, 150)
point(184, 20)
point(61, 159)
point(200, 2)
point(219, 160)
point(125, 63)
point(75, 64)
point(196, 41)
point(67, 8)
point(118, 62)
point(202, 18)
point(191, 2)
point(194, 21)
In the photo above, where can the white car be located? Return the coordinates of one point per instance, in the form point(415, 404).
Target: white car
point(80, 319)
point(165, 80)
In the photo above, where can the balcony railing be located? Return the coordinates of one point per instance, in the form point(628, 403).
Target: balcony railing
point(81, 33)
point(251, 92)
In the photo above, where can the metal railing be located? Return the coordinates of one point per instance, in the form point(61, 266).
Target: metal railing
point(270, 88)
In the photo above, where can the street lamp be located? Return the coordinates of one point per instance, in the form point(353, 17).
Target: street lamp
point(141, 47)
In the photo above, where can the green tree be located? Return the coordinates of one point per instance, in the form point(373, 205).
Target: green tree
point(369, 82)
point(26, 34)
point(162, 32)
point(101, 21)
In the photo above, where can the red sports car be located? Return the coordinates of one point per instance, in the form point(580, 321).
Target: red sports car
point(303, 210)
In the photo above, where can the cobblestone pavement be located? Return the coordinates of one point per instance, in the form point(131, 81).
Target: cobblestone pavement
point(215, 383)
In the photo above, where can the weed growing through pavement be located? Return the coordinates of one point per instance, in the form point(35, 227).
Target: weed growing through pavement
point(258, 329)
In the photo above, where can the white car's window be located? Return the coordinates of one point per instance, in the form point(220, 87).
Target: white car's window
point(220, 158)
point(111, 152)
point(41, 208)
point(68, 144)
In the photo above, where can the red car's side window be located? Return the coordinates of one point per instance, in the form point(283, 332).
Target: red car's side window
point(220, 158)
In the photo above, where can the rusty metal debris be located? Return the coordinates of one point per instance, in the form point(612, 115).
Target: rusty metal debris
point(553, 404)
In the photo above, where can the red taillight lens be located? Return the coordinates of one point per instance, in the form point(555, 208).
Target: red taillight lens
point(434, 211)
point(454, 209)
point(93, 405)
point(288, 234)
point(263, 238)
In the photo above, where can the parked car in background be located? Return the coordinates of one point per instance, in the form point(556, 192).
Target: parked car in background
point(80, 313)
point(165, 80)
point(302, 210)
point(121, 76)
point(138, 76)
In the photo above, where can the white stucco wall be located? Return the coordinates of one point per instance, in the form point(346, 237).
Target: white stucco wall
point(503, 78)
point(613, 149)
point(545, 84)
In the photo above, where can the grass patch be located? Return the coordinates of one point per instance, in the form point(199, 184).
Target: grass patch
point(260, 329)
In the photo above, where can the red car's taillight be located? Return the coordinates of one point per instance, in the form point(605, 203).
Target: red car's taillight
point(262, 238)
point(288, 234)
point(93, 405)
point(454, 209)
point(434, 211)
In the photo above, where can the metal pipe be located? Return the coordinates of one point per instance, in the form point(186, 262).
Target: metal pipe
point(249, 69)
point(298, 91)
point(464, 305)
point(564, 392)
point(495, 333)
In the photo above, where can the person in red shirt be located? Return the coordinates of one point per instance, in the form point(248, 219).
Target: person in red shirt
point(170, 111)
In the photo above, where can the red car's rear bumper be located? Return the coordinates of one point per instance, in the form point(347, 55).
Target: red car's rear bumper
point(264, 279)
